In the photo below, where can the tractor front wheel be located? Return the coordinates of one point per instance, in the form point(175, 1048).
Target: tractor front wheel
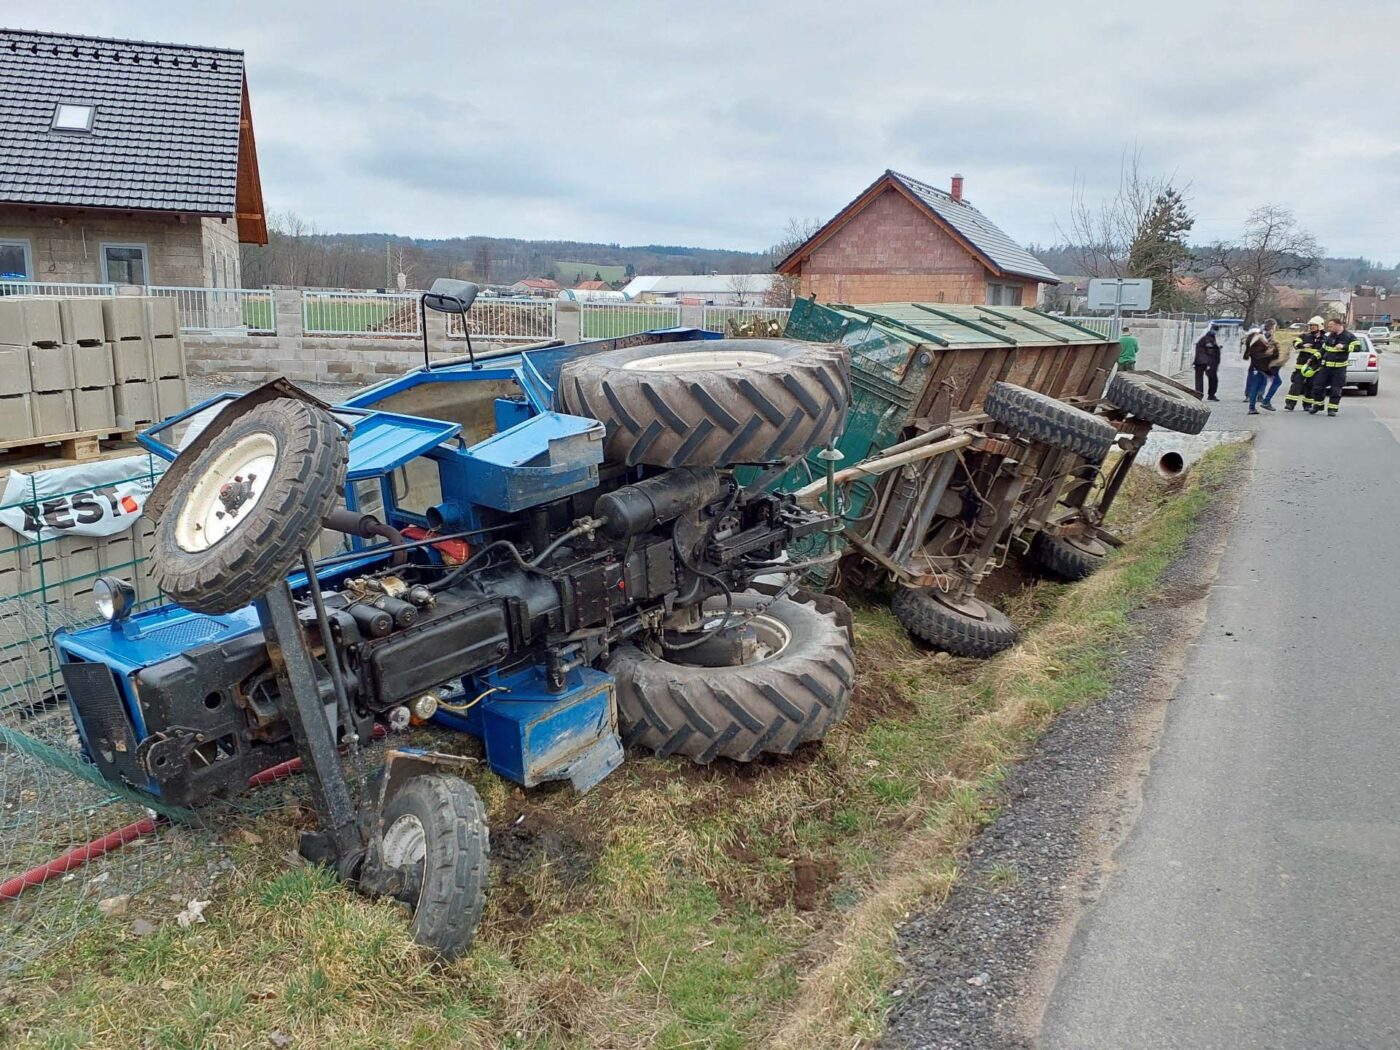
point(435, 837)
point(971, 629)
point(794, 688)
point(1069, 558)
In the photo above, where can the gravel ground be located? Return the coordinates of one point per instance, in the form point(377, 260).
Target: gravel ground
point(978, 970)
point(204, 387)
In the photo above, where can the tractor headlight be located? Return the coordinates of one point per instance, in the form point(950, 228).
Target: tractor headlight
point(115, 598)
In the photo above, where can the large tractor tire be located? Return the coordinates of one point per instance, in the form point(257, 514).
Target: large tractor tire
point(1158, 403)
point(435, 833)
point(1039, 417)
point(717, 403)
point(248, 505)
point(975, 630)
point(1068, 558)
point(794, 693)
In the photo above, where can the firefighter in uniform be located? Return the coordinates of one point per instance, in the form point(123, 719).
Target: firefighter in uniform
point(1305, 366)
point(1337, 349)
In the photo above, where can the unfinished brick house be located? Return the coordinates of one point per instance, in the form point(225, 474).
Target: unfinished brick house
point(124, 162)
point(902, 240)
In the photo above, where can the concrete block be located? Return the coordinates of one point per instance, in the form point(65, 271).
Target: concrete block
point(53, 413)
point(123, 318)
point(162, 317)
point(117, 555)
point(92, 365)
point(168, 358)
point(16, 417)
point(77, 557)
point(14, 370)
point(131, 360)
point(80, 319)
point(51, 368)
point(171, 397)
point(95, 408)
point(30, 322)
point(135, 403)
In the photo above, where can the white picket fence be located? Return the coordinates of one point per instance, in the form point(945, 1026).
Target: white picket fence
point(46, 288)
point(359, 313)
point(613, 320)
point(247, 311)
point(503, 320)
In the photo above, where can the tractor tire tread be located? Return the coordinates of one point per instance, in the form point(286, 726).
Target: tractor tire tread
point(1158, 403)
point(1042, 418)
point(958, 633)
point(739, 712)
point(1063, 559)
point(761, 413)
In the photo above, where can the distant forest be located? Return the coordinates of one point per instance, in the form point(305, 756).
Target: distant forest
point(297, 254)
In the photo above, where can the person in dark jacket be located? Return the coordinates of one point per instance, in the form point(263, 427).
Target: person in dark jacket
point(1207, 362)
point(1305, 366)
point(1260, 351)
point(1337, 348)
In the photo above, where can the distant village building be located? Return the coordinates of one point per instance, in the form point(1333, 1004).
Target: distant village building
point(593, 286)
point(717, 289)
point(541, 287)
point(125, 162)
point(903, 240)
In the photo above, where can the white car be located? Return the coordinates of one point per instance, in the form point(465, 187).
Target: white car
point(1379, 334)
point(1364, 368)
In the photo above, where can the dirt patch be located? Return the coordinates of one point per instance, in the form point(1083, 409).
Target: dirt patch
point(810, 879)
point(530, 837)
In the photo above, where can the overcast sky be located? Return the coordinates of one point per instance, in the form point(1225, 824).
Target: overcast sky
point(712, 123)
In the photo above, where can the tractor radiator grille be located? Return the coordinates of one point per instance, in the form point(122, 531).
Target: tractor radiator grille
point(103, 719)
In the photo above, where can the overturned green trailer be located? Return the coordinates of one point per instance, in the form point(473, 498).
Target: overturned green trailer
point(975, 432)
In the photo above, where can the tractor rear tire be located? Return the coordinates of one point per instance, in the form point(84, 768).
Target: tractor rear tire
point(792, 696)
point(717, 403)
point(438, 820)
point(1042, 418)
point(962, 634)
point(305, 454)
point(1065, 558)
point(1158, 403)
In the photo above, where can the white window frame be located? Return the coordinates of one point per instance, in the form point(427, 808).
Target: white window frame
point(61, 106)
point(23, 244)
point(145, 257)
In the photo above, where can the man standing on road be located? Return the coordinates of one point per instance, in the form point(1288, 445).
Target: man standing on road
point(1275, 380)
point(1337, 349)
point(1127, 351)
point(1305, 366)
point(1207, 362)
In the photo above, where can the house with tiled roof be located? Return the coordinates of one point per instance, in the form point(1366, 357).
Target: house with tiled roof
point(903, 240)
point(125, 162)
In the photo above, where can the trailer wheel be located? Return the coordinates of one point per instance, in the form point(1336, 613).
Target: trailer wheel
point(794, 693)
point(435, 832)
point(1068, 558)
point(1158, 403)
point(1042, 418)
point(248, 505)
point(977, 630)
point(715, 403)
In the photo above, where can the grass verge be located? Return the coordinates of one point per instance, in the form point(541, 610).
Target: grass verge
point(729, 906)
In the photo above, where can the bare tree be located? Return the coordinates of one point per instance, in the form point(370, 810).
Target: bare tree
point(1140, 231)
point(1240, 275)
point(481, 263)
point(785, 288)
point(741, 286)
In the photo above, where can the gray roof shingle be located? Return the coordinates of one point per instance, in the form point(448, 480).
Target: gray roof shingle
point(164, 137)
point(979, 231)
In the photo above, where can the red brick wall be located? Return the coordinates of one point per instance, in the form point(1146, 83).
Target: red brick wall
point(892, 252)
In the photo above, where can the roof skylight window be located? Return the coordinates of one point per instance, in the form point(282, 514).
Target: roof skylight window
point(71, 117)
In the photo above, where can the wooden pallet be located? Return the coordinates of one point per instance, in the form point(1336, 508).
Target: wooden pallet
point(79, 446)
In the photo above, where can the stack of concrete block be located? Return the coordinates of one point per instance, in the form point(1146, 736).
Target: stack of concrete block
point(88, 364)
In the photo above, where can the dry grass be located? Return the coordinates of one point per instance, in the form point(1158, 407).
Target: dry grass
point(671, 907)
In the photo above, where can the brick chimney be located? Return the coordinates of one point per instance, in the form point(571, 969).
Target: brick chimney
point(956, 192)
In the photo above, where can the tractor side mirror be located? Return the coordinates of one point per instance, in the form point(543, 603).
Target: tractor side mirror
point(447, 296)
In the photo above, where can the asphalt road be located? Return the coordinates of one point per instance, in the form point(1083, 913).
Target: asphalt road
point(1256, 902)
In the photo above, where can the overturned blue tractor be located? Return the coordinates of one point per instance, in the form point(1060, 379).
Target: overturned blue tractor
point(469, 544)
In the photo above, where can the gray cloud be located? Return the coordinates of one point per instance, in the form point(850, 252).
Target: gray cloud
point(628, 122)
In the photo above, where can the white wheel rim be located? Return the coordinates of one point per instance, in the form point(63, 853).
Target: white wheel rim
point(229, 490)
point(405, 842)
point(702, 361)
point(773, 634)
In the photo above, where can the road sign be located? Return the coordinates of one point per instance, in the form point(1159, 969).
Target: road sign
point(1120, 293)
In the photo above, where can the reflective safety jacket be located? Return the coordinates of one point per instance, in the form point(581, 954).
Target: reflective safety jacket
point(1309, 352)
point(1337, 349)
